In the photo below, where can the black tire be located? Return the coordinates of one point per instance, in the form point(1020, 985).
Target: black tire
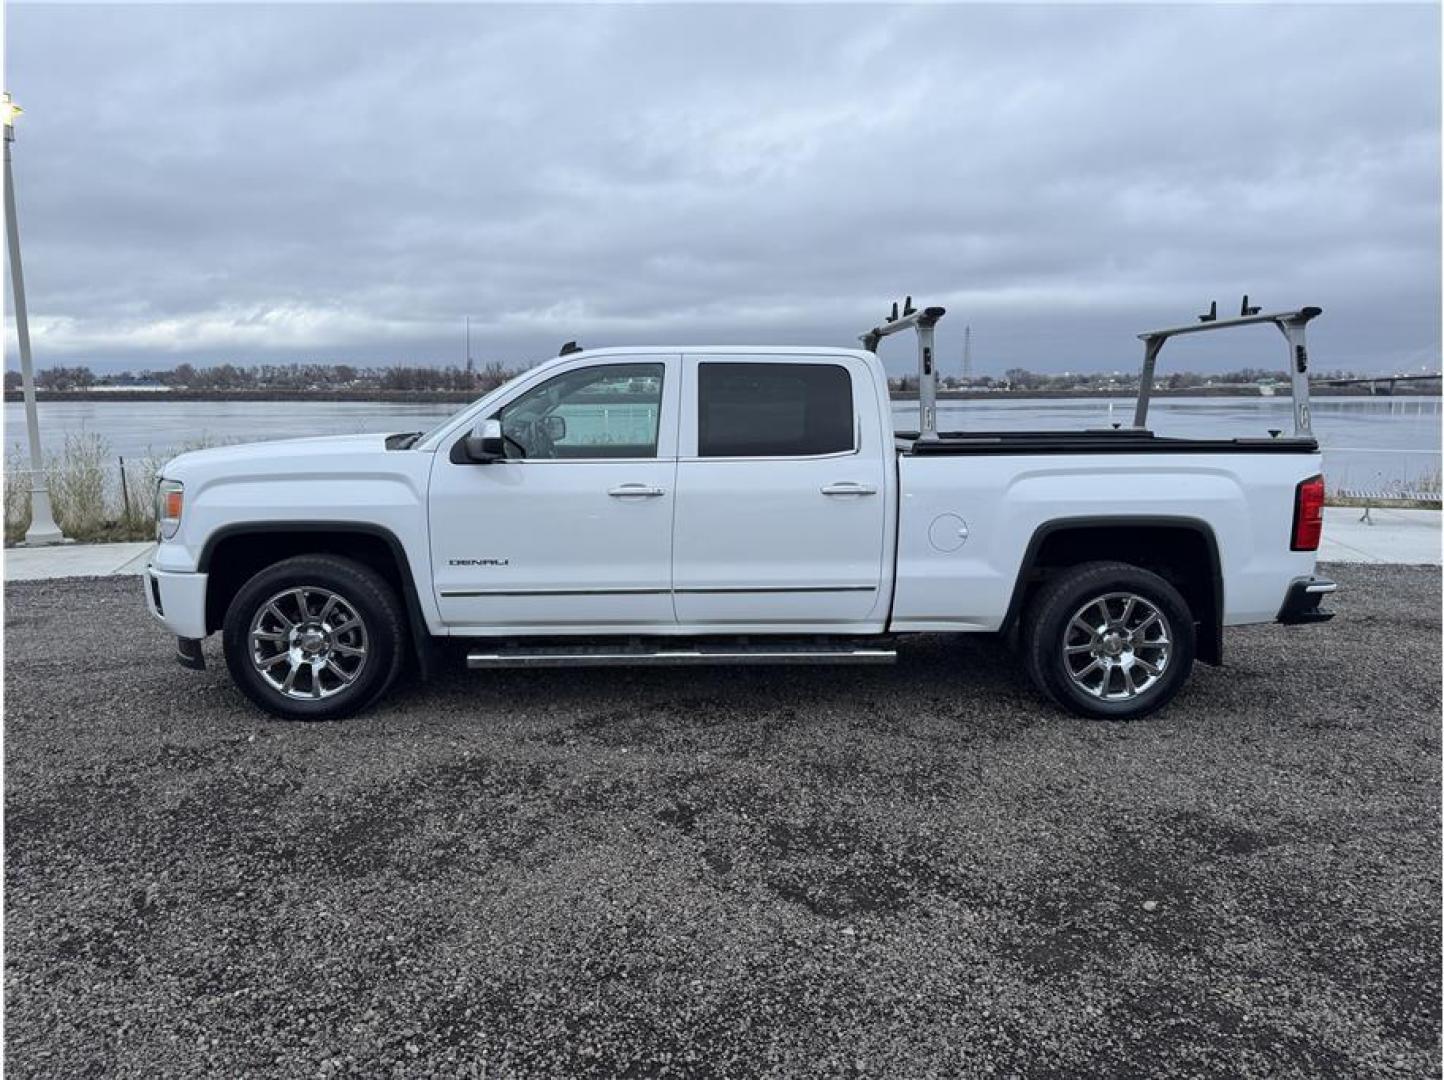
point(302, 586)
point(1049, 629)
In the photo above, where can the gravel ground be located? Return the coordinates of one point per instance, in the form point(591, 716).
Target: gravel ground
point(900, 871)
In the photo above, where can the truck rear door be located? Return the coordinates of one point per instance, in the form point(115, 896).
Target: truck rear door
point(781, 494)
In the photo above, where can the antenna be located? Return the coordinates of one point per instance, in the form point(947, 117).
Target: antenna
point(1212, 315)
point(1244, 311)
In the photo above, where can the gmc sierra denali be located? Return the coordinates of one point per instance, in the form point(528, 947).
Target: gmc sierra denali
point(738, 505)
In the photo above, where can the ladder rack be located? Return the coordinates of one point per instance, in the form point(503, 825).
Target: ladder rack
point(923, 321)
point(1290, 323)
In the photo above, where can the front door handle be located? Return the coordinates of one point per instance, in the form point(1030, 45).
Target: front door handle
point(636, 491)
point(847, 487)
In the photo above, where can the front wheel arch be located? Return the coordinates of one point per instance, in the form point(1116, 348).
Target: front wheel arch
point(233, 554)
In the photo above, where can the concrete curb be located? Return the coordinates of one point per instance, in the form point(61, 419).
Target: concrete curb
point(76, 560)
point(1396, 536)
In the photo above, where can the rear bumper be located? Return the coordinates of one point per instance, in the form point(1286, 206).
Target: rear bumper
point(177, 600)
point(1301, 603)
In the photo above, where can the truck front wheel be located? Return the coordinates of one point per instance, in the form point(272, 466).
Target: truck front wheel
point(1109, 640)
point(315, 637)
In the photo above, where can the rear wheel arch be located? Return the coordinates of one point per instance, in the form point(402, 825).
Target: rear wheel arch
point(1182, 550)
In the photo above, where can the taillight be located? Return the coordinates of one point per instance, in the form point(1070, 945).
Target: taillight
point(1308, 514)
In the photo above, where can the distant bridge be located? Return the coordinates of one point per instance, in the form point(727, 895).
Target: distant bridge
point(1381, 384)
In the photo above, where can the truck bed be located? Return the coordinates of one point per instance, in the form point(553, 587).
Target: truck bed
point(965, 530)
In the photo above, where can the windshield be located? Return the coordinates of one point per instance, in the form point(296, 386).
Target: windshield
point(451, 417)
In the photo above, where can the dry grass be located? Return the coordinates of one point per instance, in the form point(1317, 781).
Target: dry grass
point(17, 498)
point(78, 487)
point(91, 500)
point(1420, 490)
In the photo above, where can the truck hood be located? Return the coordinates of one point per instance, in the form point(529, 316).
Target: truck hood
point(323, 453)
point(339, 480)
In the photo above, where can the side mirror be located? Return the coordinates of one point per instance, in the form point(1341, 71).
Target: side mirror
point(484, 444)
point(555, 427)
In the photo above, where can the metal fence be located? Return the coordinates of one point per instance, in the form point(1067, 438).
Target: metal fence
point(1369, 476)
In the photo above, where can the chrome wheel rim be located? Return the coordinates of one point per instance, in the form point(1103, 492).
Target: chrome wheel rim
point(308, 643)
point(1117, 646)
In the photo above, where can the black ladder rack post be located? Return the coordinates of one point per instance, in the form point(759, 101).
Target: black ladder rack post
point(1290, 323)
point(923, 321)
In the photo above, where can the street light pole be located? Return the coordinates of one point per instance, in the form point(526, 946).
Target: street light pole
point(43, 529)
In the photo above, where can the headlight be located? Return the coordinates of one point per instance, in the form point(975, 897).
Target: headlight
point(169, 500)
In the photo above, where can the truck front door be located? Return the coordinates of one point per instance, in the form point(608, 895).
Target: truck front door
point(781, 494)
point(572, 532)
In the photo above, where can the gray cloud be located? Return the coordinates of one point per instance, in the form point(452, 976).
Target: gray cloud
point(260, 183)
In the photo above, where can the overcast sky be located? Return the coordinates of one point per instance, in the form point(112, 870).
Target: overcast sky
point(346, 183)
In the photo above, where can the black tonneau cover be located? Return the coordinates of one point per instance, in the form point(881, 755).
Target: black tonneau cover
point(1104, 441)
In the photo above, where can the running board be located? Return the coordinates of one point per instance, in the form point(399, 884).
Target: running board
point(609, 656)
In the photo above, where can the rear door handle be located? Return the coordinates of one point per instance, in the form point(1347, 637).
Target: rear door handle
point(635, 491)
point(847, 487)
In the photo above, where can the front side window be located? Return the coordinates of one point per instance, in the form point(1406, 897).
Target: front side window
point(609, 411)
point(773, 410)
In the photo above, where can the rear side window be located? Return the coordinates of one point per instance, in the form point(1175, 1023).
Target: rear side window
point(773, 410)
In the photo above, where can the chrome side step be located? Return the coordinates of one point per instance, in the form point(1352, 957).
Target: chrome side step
point(681, 656)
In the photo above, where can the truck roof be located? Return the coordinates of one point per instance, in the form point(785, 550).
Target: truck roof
point(734, 350)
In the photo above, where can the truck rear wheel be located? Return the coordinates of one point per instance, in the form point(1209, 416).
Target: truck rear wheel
point(315, 637)
point(1109, 640)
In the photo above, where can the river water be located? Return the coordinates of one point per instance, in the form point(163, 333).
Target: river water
point(1370, 443)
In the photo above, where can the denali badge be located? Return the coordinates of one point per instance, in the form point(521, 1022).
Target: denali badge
point(480, 562)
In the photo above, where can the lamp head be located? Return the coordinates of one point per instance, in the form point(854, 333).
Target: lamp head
point(8, 112)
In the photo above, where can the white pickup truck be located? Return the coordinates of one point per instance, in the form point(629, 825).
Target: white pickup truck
point(737, 505)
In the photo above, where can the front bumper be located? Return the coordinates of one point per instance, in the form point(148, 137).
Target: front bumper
point(177, 600)
point(1301, 603)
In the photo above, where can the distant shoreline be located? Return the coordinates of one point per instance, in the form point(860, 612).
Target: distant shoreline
point(402, 397)
point(461, 397)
